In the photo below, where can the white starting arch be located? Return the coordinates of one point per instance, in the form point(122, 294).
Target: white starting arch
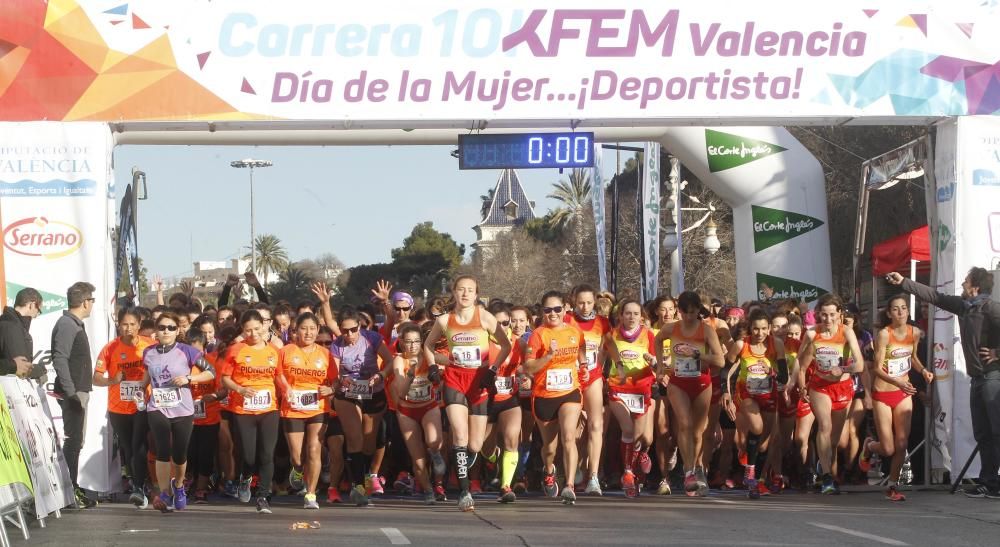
point(712, 87)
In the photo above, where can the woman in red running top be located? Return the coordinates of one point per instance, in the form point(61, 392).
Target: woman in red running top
point(467, 374)
point(895, 355)
point(761, 367)
point(594, 327)
point(830, 389)
point(630, 346)
point(417, 410)
point(694, 349)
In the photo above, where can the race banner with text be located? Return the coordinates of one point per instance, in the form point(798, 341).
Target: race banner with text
point(651, 220)
point(40, 445)
point(57, 210)
point(437, 60)
point(597, 201)
point(15, 482)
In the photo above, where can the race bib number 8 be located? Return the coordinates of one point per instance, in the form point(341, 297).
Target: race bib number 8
point(305, 400)
point(260, 401)
point(127, 391)
point(899, 366)
point(559, 379)
point(686, 367)
point(466, 356)
point(634, 402)
point(166, 397)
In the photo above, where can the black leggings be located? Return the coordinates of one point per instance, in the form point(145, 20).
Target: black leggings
point(131, 431)
point(204, 445)
point(171, 436)
point(258, 435)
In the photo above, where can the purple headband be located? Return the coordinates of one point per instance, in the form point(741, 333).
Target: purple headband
point(400, 295)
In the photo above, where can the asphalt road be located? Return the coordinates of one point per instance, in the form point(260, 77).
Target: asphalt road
point(926, 518)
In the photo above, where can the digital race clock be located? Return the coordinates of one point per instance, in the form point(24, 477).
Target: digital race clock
point(526, 150)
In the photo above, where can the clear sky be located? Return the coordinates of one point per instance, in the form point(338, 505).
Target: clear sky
point(356, 202)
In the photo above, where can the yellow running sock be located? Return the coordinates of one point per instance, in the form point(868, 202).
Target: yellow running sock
point(507, 465)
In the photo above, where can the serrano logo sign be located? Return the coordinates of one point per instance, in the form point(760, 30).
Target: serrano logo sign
point(38, 236)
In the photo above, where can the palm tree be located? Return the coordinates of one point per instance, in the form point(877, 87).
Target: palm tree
point(293, 284)
point(271, 256)
point(574, 194)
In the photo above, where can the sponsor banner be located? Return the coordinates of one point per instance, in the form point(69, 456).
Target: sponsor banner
point(39, 443)
point(651, 220)
point(597, 201)
point(51, 242)
point(589, 59)
point(726, 150)
point(127, 253)
point(790, 181)
point(967, 148)
point(14, 476)
point(774, 226)
point(771, 287)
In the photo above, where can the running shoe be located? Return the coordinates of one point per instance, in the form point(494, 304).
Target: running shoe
point(762, 488)
point(309, 502)
point(752, 491)
point(549, 486)
point(629, 486)
point(568, 496)
point(777, 483)
point(230, 489)
point(439, 493)
point(506, 495)
point(702, 482)
point(521, 487)
point(263, 507)
point(664, 488)
point(593, 486)
point(690, 484)
point(475, 486)
point(377, 483)
point(437, 461)
point(180, 496)
point(333, 495)
point(976, 491)
point(430, 498)
point(138, 499)
point(200, 497)
point(83, 501)
point(404, 483)
point(643, 462)
point(243, 492)
point(359, 495)
point(829, 487)
point(866, 457)
point(892, 494)
point(465, 502)
point(296, 480)
point(163, 503)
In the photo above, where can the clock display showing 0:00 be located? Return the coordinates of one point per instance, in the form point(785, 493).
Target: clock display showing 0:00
point(526, 150)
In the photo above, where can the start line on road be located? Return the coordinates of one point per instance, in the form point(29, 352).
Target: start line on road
point(724, 518)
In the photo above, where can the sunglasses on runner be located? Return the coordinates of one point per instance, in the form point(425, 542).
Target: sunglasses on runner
point(554, 309)
point(166, 328)
point(505, 323)
point(397, 308)
point(352, 330)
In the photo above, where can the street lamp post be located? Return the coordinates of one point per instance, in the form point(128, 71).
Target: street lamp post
point(251, 164)
point(673, 231)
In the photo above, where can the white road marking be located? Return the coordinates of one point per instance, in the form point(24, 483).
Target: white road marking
point(395, 536)
point(855, 533)
point(726, 502)
point(138, 531)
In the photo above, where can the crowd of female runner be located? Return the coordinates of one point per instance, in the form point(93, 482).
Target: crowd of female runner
point(578, 392)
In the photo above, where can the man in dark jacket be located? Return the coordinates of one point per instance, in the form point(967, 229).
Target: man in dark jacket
point(979, 329)
point(74, 367)
point(16, 346)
